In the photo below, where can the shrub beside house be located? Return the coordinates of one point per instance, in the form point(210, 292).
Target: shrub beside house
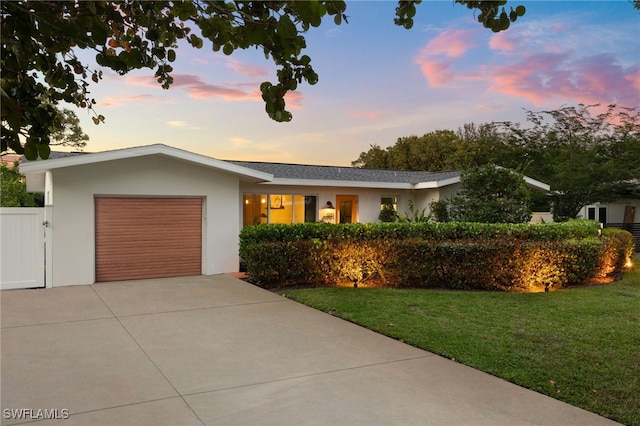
point(476, 256)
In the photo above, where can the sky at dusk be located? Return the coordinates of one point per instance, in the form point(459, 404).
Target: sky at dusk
point(379, 82)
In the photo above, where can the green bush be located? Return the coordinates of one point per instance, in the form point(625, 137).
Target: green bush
point(422, 230)
point(388, 213)
point(618, 249)
point(494, 264)
point(446, 255)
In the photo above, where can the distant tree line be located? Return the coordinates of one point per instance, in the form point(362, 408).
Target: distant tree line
point(585, 157)
point(13, 190)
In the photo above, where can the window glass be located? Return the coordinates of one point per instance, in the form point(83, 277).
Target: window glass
point(310, 208)
point(279, 208)
point(298, 208)
point(254, 209)
point(389, 200)
point(602, 215)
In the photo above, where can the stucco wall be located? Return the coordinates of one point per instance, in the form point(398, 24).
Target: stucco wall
point(615, 211)
point(368, 199)
point(73, 221)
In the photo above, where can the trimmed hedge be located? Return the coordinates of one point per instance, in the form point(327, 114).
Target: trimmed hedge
point(619, 249)
point(444, 255)
point(424, 230)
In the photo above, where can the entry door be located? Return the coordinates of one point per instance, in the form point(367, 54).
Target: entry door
point(347, 207)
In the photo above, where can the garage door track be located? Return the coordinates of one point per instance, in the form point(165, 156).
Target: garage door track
point(216, 350)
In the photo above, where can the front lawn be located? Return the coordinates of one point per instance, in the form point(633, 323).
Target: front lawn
point(580, 345)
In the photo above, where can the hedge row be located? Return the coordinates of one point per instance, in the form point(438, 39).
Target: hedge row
point(619, 249)
point(495, 263)
point(423, 230)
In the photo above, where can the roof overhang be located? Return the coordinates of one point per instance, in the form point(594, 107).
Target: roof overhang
point(32, 169)
point(338, 183)
point(536, 184)
point(437, 183)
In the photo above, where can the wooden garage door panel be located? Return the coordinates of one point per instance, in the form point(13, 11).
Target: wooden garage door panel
point(140, 238)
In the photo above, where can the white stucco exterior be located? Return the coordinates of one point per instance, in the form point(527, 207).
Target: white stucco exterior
point(612, 212)
point(72, 182)
point(71, 217)
point(368, 207)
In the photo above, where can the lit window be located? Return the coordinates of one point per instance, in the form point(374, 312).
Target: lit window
point(279, 208)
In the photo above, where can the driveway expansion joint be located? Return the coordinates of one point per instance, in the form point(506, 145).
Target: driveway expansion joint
point(319, 373)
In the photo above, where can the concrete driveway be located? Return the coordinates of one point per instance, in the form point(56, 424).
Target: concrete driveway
point(218, 351)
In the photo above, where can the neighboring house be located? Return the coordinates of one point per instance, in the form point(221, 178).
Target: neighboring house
point(624, 214)
point(10, 160)
point(622, 211)
point(157, 211)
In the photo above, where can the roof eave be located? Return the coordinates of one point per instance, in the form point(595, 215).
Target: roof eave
point(339, 183)
point(536, 184)
point(42, 166)
point(437, 183)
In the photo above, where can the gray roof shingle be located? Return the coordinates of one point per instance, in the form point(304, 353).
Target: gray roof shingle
point(309, 172)
point(325, 173)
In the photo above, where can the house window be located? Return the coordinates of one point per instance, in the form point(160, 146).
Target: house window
point(597, 213)
point(602, 214)
point(389, 201)
point(279, 208)
point(255, 209)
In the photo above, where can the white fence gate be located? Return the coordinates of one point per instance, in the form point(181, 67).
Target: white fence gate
point(22, 247)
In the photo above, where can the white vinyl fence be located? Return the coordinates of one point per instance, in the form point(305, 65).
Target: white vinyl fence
point(22, 248)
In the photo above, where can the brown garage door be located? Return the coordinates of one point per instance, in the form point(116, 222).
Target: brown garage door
point(148, 238)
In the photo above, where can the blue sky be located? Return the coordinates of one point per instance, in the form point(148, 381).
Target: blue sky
point(379, 82)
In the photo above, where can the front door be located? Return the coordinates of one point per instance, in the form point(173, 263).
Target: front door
point(347, 208)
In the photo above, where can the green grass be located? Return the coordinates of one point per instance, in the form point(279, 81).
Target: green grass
point(580, 345)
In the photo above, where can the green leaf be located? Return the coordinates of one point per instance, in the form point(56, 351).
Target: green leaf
point(171, 55)
point(100, 32)
point(153, 35)
point(196, 41)
point(30, 151)
point(44, 151)
point(285, 28)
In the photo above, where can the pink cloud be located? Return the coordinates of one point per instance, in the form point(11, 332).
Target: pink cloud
point(552, 74)
point(503, 42)
point(112, 101)
point(450, 43)
point(437, 73)
point(634, 79)
point(366, 115)
point(247, 69)
point(552, 77)
point(145, 81)
point(292, 99)
point(196, 88)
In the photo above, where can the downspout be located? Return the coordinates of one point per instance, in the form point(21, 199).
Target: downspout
point(48, 229)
